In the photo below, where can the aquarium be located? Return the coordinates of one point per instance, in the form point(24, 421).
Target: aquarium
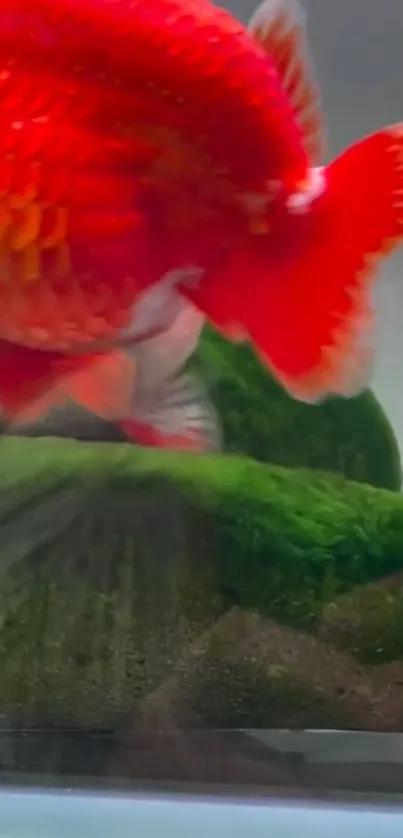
point(225, 621)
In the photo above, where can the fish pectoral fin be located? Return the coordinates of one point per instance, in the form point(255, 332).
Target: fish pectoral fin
point(178, 415)
point(279, 26)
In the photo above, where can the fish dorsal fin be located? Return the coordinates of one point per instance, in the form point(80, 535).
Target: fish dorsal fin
point(280, 27)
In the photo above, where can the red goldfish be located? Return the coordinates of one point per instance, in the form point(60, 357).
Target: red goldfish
point(143, 141)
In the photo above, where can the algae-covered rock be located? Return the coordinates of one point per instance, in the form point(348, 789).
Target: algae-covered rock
point(115, 560)
point(368, 621)
point(352, 437)
point(250, 672)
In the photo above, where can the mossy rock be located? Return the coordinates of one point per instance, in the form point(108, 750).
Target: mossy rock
point(368, 621)
point(114, 558)
point(250, 673)
point(352, 437)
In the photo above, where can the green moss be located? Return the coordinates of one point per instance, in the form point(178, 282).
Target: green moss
point(352, 437)
point(112, 558)
point(280, 540)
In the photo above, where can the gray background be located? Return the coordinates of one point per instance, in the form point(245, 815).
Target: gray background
point(358, 49)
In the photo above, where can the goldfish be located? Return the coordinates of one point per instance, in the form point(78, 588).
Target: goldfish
point(159, 150)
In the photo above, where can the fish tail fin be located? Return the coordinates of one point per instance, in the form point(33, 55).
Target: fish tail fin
point(138, 388)
point(178, 414)
point(305, 298)
point(31, 380)
point(166, 412)
point(172, 409)
point(97, 383)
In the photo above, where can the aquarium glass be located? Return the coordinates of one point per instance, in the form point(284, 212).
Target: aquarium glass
point(223, 621)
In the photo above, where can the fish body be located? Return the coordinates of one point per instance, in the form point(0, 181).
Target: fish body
point(154, 147)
